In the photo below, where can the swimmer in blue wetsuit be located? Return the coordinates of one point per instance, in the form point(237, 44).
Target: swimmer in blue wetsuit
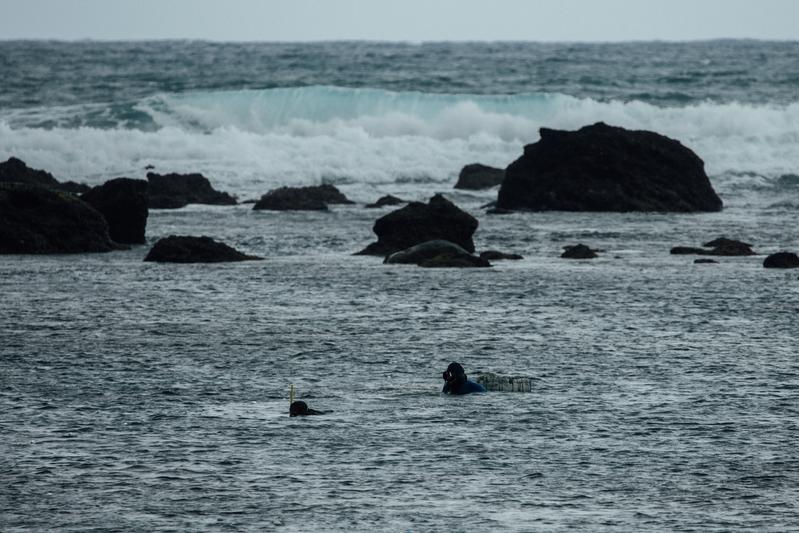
point(456, 382)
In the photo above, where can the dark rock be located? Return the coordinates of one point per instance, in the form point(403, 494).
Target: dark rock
point(721, 246)
point(493, 255)
point(417, 223)
point(455, 260)
point(606, 168)
point(782, 260)
point(315, 198)
point(499, 211)
point(424, 251)
point(40, 220)
point(477, 176)
point(688, 250)
point(123, 203)
point(16, 171)
point(705, 261)
point(725, 246)
point(73, 187)
point(173, 191)
point(183, 249)
point(578, 251)
point(386, 200)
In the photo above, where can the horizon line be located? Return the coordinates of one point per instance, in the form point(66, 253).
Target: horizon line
point(392, 41)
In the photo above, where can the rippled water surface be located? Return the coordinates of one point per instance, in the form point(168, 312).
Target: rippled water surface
point(142, 396)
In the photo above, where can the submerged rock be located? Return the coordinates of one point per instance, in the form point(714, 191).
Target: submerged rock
point(578, 251)
point(186, 249)
point(493, 255)
point(173, 191)
point(40, 220)
point(384, 201)
point(424, 251)
point(455, 260)
point(477, 176)
point(705, 261)
point(123, 203)
point(314, 198)
point(721, 246)
point(417, 223)
point(782, 260)
point(606, 168)
point(497, 383)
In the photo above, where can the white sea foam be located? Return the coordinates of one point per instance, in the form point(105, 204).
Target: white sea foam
point(249, 141)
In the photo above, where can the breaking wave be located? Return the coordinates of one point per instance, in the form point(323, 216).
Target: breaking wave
point(308, 134)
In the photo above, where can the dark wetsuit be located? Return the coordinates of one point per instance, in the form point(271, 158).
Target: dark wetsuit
point(465, 387)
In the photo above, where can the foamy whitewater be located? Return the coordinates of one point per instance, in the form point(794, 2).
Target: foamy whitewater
point(154, 397)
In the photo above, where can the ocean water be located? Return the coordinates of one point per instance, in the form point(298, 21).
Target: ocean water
point(142, 397)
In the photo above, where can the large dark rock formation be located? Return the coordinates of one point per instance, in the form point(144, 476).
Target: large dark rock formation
point(16, 171)
point(315, 198)
point(606, 168)
point(417, 223)
point(782, 260)
point(123, 203)
point(39, 220)
point(184, 249)
point(477, 176)
point(172, 191)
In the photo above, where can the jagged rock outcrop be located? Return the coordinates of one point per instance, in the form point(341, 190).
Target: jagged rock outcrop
point(314, 198)
point(16, 171)
point(187, 249)
point(41, 220)
point(173, 191)
point(477, 176)
point(418, 222)
point(606, 168)
point(123, 202)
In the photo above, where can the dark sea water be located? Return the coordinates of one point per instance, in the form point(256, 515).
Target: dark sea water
point(151, 397)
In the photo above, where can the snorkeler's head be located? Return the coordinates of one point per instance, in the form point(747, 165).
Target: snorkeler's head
point(454, 373)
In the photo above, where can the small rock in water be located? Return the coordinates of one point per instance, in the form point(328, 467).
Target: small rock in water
point(496, 383)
